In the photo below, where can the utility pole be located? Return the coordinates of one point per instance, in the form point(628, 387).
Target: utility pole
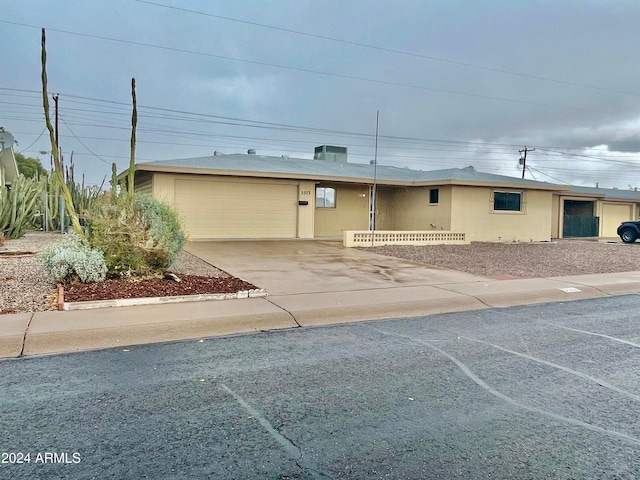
point(524, 158)
point(375, 177)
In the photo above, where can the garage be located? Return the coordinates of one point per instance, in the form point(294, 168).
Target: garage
point(237, 209)
point(612, 215)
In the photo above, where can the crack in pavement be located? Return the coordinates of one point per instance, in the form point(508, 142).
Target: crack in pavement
point(586, 332)
point(293, 450)
point(24, 337)
point(571, 371)
point(481, 383)
point(285, 310)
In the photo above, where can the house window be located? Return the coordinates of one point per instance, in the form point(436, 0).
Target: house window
point(434, 195)
point(325, 197)
point(507, 201)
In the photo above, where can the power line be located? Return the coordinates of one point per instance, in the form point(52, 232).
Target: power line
point(306, 70)
point(78, 116)
point(184, 115)
point(389, 50)
point(547, 175)
point(83, 144)
point(34, 142)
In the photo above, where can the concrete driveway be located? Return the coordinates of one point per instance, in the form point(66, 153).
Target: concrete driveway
point(320, 282)
point(294, 267)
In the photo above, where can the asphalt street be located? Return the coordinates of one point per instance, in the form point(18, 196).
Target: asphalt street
point(544, 391)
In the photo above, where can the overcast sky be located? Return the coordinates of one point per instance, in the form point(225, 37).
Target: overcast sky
point(456, 83)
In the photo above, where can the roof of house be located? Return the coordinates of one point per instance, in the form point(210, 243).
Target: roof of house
point(325, 170)
point(608, 193)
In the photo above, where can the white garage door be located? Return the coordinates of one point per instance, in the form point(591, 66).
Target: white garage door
point(612, 216)
point(214, 209)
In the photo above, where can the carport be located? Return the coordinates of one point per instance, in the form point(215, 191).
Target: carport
point(579, 219)
point(594, 212)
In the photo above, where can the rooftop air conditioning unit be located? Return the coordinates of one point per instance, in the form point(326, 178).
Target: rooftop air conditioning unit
point(331, 153)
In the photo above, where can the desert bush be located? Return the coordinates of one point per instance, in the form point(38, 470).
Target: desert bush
point(1, 239)
point(138, 238)
point(164, 229)
point(72, 260)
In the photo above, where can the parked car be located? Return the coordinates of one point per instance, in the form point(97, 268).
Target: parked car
point(629, 231)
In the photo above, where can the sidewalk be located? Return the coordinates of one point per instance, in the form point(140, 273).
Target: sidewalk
point(309, 283)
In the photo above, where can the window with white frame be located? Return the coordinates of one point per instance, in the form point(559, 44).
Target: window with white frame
point(325, 197)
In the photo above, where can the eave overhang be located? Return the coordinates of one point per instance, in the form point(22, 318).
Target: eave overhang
point(323, 178)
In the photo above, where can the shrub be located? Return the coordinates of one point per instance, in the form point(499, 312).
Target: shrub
point(71, 260)
point(164, 229)
point(137, 240)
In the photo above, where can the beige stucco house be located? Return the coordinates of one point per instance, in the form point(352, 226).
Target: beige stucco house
point(252, 196)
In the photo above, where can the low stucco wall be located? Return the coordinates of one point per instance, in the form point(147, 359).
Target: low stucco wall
point(394, 237)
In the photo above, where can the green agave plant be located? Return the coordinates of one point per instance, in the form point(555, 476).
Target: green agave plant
point(18, 205)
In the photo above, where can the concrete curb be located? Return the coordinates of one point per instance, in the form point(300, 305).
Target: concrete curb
point(13, 328)
point(60, 332)
point(161, 320)
point(527, 291)
point(373, 304)
point(609, 283)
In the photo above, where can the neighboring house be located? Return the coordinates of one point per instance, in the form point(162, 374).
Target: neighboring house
point(254, 196)
point(8, 167)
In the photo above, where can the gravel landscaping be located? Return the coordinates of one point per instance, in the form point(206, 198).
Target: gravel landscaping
point(524, 260)
point(25, 288)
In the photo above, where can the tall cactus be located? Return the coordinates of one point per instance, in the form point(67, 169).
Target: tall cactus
point(132, 158)
point(58, 169)
point(84, 199)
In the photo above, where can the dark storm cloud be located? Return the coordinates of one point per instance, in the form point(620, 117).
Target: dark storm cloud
point(535, 73)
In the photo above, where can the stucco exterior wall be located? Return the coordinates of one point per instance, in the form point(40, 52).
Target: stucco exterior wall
point(306, 213)
point(472, 212)
point(350, 213)
point(459, 208)
point(412, 210)
point(555, 216)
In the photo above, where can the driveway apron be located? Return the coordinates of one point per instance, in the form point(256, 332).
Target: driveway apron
point(323, 282)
